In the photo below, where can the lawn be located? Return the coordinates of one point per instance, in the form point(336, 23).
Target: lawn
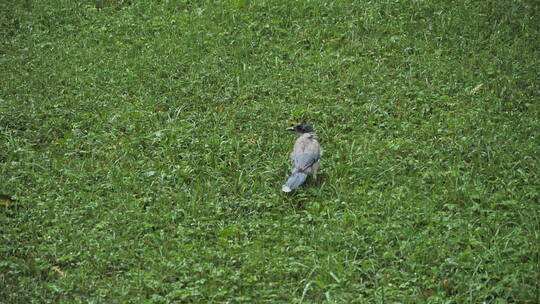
point(143, 149)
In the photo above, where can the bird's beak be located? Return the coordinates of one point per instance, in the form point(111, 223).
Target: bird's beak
point(290, 129)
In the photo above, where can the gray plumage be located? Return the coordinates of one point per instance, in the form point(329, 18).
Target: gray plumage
point(305, 157)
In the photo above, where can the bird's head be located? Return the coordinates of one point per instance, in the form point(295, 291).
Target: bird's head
point(302, 128)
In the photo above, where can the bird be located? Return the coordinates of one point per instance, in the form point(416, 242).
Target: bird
point(305, 156)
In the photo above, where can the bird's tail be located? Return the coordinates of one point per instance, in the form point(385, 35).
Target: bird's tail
point(294, 181)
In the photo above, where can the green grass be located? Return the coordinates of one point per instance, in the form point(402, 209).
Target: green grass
point(143, 146)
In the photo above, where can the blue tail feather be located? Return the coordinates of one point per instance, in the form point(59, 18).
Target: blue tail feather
point(295, 180)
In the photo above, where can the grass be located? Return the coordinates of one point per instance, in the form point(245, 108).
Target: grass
point(142, 151)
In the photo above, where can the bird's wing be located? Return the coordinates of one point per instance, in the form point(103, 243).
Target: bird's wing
point(304, 160)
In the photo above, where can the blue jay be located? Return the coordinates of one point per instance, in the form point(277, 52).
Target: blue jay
point(305, 157)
